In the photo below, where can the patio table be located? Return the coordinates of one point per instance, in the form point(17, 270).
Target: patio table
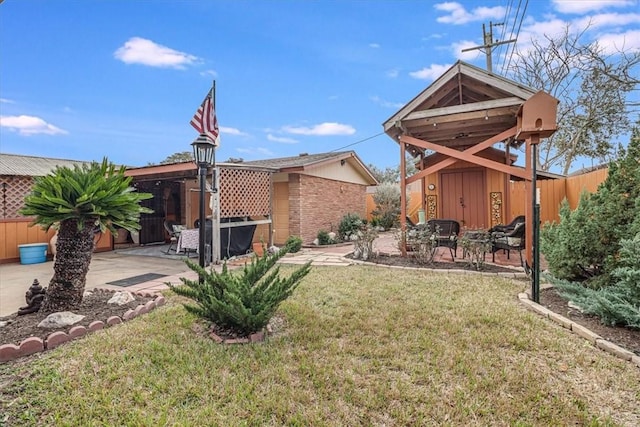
point(189, 240)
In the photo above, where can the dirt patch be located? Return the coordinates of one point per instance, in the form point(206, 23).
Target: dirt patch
point(93, 307)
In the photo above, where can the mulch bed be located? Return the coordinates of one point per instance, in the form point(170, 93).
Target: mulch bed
point(624, 337)
point(397, 260)
point(93, 307)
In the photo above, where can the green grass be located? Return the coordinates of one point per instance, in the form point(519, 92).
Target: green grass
point(359, 346)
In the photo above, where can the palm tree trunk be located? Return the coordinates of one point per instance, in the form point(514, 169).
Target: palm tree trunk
point(70, 268)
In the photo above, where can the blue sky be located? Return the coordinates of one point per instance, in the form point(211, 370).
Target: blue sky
point(122, 78)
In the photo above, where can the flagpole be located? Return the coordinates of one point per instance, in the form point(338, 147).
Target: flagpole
point(215, 235)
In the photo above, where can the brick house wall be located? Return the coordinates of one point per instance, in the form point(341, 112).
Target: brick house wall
point(319, 204)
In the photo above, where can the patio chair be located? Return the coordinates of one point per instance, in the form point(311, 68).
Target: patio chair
point(447, 231)
point(173, 234)
point(508, 227)
point(510, 241)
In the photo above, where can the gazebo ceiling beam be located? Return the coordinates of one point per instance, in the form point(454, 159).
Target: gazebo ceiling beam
point(502, 136)
point(467, 155)
point(453, 111)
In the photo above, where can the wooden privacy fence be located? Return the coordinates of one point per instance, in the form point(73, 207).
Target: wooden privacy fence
point(552, 192)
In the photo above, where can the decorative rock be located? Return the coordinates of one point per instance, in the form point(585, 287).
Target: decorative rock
point(4, 323)
point(316, 242)
point(332, 236)
point(114, 320)
point(31, 345)
point(96, 325)
point(121, 298)
point(575, 307)
point(77, 331)
point(87, 294)
point(55, 339)
point(60, 319)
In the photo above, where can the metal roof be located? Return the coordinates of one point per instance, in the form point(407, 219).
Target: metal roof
point(14, 164)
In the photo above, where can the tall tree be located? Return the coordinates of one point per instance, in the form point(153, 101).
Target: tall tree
point(593, 87)
point(78, 201)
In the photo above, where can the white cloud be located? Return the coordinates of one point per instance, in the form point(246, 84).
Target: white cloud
point(606, 20)
point(232, 131)
point(458, 15)
point(209, 73)
point(458, 47)
point(323, 129)
point(137, 50)
point(433, 72)
point(7, 101)
point(333, 97)
point(281, 139)
point(627, 41)
point(583, 6)
point(374, 45)
point(30, 125)
point(386, 104)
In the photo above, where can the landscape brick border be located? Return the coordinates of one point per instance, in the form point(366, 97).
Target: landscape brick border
point(31, 345)
point(580, 330)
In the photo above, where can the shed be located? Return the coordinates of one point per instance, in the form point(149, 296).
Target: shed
point(312, 192)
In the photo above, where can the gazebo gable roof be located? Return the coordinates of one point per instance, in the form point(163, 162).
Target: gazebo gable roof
point(461, 108)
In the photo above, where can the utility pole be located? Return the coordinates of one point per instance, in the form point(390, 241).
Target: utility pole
point(489, 44)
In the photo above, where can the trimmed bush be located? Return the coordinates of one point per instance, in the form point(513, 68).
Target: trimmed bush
point(242, 303)
point(294, 243)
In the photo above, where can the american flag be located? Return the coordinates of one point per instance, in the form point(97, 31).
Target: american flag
point(205, 121)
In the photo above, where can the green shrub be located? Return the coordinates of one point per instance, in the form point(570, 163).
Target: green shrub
point(363, 242)
point(349, 224)
point(585, 245)
point(324, 238)
point(294, 243)
point(240, 302)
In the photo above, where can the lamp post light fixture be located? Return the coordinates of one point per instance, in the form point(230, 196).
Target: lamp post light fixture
point(204, 156)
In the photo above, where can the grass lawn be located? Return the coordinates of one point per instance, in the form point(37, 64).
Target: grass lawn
point(359, 346)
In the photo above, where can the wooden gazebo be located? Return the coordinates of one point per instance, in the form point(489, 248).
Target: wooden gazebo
point(451, 128)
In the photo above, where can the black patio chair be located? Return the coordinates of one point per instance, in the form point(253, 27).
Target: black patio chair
point(513, 240)
point(502, 228)
point(447, 231)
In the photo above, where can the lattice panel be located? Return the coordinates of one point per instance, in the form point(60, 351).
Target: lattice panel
point(496, 208)
point(432, 206)
point(244, 193)
point(13, 191)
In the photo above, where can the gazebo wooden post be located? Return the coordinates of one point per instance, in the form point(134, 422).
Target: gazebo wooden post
point(403, 199)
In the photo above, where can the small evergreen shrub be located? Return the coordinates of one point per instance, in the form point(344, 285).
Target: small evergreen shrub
point(476, 247)
point(420, 242)
point(324, 238)
point(241, 302)
point(350, 224)
point(294, 243)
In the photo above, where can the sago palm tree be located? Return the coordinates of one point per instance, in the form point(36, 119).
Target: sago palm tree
point(78, 201)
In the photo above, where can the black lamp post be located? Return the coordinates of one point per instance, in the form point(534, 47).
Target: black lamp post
point(204, 156)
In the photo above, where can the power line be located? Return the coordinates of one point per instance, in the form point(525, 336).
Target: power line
point(505, 20)
point(357, 142)
point(524, 11)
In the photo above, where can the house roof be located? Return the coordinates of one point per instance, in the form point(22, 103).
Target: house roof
point(305, 162)
point(461, 108)
point(14, 164)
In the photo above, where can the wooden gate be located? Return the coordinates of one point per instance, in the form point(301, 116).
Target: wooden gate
point(463, 198)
